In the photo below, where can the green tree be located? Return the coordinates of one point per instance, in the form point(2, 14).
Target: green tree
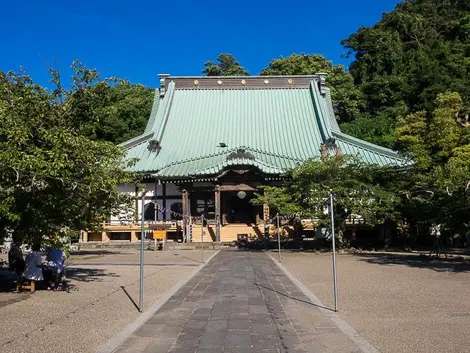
point(415, 52)
point(52, 177)
point(346, 98)
point(123, 109)
point(359, 189)
point(226, 65)
point(440, 147)
point(432, 139)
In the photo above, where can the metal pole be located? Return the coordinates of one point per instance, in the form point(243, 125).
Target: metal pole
point(141, 284)
point(335, 284)
point(217, 228)
point(265, 236)
point(279, 237)
point(202, 239)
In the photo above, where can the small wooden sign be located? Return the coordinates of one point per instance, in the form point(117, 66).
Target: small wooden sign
point(266, 212)
point(159, 234)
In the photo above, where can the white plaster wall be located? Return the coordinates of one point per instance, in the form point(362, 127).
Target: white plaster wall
point(126, 188)
point(172, 190)
point(150, 189)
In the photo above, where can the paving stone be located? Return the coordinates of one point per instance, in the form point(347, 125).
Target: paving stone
point(158, 345)
point(258, 309)
point(194, 327)
point(216, 325)
point(262, 342)
point(238, 339)
point(263, 329)
point(238, 350)
point(260, 318)
point(150, 330)
point(240, 314)
point(212, 340)
point(134, 343)
point(238, 324)
point(209, 350)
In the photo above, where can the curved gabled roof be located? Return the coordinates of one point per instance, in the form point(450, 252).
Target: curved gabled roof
point(279, 122)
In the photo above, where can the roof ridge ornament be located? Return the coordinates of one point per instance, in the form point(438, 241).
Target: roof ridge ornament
point(163, 78)
point(240, 153)
point(154, 146)
point(322, 82)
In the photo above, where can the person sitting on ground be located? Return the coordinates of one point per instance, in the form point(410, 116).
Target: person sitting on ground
point(33, 271)
point(54, 269)
point(15, 258)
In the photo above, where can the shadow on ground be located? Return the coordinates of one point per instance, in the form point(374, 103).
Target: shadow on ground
point(291, 297)
point(130, 297)
point(455, 261)
point(94, 252)
point(8, 278)
point(88, 274)
point(7, 281)
point(451, 264)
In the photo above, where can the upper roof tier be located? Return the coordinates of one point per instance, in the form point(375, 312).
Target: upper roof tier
point(201, 125)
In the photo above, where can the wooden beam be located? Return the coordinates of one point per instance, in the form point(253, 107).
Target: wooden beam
point(237, 187)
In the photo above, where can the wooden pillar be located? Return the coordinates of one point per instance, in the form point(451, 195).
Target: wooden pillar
point(136, 205)
point(133, 236)
point(104, 237)
point(324, 152)
point(155, 217)
point(338, 153)
point(217, 213)
point(185, 202)
point(164, 202)
point(84, 237)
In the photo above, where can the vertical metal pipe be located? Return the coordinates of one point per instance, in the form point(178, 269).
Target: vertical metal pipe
point(142, 236)
point(335, 284)
point(202, 239)
point(279, 237)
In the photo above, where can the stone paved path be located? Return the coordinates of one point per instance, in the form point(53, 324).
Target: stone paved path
point(239, 302)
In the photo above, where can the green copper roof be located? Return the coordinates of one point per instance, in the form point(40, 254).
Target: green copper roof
point(271, 123)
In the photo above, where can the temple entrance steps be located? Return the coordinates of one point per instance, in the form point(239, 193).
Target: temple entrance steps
point(196, 233)
point(228, 233)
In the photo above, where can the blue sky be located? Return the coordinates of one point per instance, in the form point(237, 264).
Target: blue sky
point(139, 39)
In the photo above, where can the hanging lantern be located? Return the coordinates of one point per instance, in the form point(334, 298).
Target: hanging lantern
point(241, 194)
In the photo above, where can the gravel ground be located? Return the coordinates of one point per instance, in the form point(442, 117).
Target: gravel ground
point(97, 307)
point(398, 302)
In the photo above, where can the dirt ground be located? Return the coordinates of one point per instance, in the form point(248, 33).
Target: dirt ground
point(398, 302)
point(104, 289)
